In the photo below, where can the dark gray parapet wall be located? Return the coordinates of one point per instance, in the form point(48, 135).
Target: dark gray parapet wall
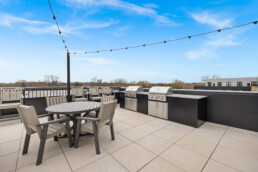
point(233, 108)
point(232, 88)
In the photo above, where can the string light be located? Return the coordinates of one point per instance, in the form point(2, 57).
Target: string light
point(58, 28)
point(166, 41)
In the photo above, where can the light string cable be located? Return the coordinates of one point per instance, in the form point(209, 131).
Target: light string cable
point(166, 41)
point(58, 28)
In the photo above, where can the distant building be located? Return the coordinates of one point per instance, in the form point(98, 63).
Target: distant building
point(233, 82)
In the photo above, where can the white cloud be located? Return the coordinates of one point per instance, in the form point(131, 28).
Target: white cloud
point(222, 42)
point(8, 20)
point(93, 60)
point(151, 5)
point(211, 19)
point(68, 28)
point(208, 50)
point(41, 27)
point(126, 6)
point(200, 54)
point(118, 32)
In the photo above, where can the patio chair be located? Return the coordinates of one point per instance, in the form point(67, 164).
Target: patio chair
point(78, 95)
point(92, 125)
point(56, 100)
point(10, 98)
point(94, 94)
point(44, 130)
point(106, 90)
point(104, 99)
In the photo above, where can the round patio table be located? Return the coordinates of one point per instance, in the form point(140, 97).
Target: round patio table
point(73, 109)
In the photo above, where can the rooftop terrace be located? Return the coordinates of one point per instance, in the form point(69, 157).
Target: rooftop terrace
point(143, 143)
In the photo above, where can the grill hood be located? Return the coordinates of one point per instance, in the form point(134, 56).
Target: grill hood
point(134, 89)
point(161, 90)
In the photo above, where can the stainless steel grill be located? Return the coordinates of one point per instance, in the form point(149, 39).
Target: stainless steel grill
point(160, 93)
point(157, 104)
point(130, 97)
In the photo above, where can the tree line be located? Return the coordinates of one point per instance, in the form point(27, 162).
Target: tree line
point(53, 81)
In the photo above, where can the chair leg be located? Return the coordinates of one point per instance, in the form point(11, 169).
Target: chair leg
point(95, 130)
point(26, 144)
point(112, 132)
point(55, 138)
point(51, 118)
point(68, 132)
point(97, 113)
point(43, 138)
point(77, 134)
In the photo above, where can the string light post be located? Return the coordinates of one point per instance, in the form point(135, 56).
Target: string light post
point(68, 77)
point(67, 53)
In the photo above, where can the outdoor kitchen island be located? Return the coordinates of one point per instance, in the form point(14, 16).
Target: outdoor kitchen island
point(185, 109)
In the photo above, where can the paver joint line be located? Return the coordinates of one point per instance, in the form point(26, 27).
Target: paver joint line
point(214, 149)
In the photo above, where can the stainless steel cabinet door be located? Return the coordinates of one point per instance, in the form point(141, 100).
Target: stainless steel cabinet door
point(162, 110)
point(133, 103)
point(152, 108)
point(127, 103)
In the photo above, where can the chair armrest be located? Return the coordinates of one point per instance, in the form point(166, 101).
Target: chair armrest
point(87, 118)
point(44, 115)
point(55, 121)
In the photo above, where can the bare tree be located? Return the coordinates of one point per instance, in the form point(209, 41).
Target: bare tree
point(94, 79)
point(205, 77)
point(120, 82)
point(144, 84)
point(215, 76)
point(99, 81)
point(177, 81)
point(47, 79)
point(52, 79)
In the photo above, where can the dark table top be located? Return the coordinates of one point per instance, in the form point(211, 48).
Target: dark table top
point(73, 107)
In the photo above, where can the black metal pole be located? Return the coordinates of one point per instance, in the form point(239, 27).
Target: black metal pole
point(68, 78)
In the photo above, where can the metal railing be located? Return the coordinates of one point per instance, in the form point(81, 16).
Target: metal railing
point(43, 92)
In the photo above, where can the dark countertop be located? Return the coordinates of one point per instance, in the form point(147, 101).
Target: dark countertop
point(177, 95)
point(219, 91)
point(185, 96)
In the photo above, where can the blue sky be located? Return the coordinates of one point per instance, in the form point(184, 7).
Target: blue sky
point(31, 47)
